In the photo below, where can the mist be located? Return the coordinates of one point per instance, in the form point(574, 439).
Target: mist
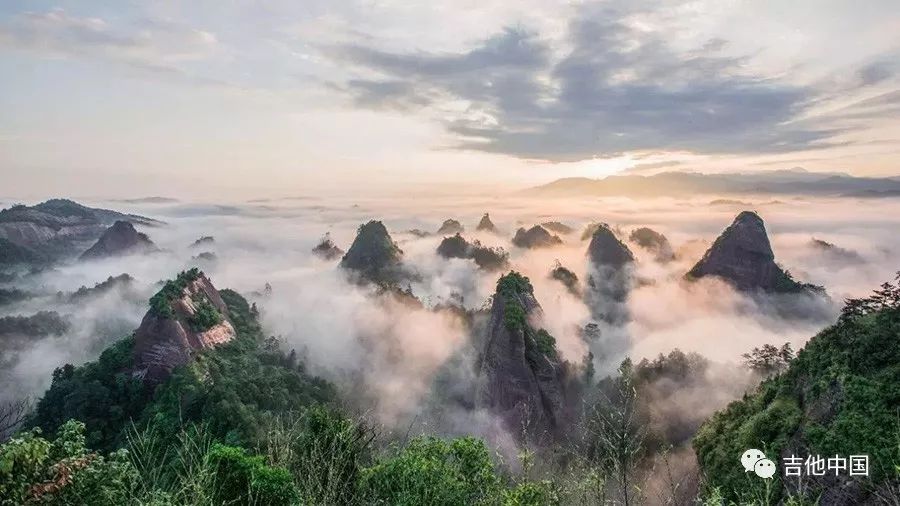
point(385, 354)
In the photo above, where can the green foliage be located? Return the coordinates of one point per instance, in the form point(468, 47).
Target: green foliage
point(325, 452)
point(433, 471)
point(246, 479)
point(513, 284)
point(34, 470)
point(161, 302)
point(206, 316)
point(511, 287)
point(102, 394)
point(242, 315)
point(532, 493)
point(41, 323)
point(838, 396)
point(545, 343)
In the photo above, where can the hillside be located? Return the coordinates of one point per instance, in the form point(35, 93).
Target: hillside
point(839, 396)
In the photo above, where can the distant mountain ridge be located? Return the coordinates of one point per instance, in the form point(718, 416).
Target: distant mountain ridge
point(52, 229)
point(667, 184)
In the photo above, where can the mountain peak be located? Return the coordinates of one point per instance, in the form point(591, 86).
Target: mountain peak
point(524, 380)
point(186, 316)
point(535, 237)
point(120, 239)
point(373, 255)
point(606, 250)
point(486, 224)
point(743, 257)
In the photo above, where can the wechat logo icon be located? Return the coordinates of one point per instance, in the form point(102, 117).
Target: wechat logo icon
point(756, 461)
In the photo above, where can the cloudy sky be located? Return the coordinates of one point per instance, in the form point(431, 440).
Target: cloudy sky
point(214, 97)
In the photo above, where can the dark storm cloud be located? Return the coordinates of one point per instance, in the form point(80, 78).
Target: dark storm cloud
point(616, 89)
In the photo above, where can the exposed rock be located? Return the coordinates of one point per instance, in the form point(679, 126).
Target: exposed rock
point(327, 250)
point(450, 227)
point(486, 225)
point(206, 240)
point(653, 242)
point(606, 250)
point(120, 239)
point(490, 259)
point(559, 228)
point(567, 278)
point(535, 237)
point(522, 378)
point(186, 316)
point(743, 257)
point(374, 256)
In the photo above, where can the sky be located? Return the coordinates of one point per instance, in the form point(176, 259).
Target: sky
point(211, 98)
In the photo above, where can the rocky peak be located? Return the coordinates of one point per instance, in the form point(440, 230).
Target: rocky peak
point(373, 255)
point(606, 250)
point(535, 237)
point(743, 257)
point(186, 316)
point(486, 225)
point(450, 227)
point(485, 257)
point(654, 242)
point(522, 378)
point(120, 239)
point(327, 250)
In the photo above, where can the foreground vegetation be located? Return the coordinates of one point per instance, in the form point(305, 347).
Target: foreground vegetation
point(245, 423)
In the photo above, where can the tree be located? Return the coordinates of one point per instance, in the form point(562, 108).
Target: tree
point(12, 414)
point(769, 359)
point(615, 431)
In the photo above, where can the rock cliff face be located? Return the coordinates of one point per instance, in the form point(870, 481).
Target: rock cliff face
point(742, 256)
point(374, 256)
point(450, 227)
point(654, 242)
point(186, 316)
point(535, 237)
point(486, 225)
point(119, 239)
point(522, 378)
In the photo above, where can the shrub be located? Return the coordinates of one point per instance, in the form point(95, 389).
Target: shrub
point(434, 471)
